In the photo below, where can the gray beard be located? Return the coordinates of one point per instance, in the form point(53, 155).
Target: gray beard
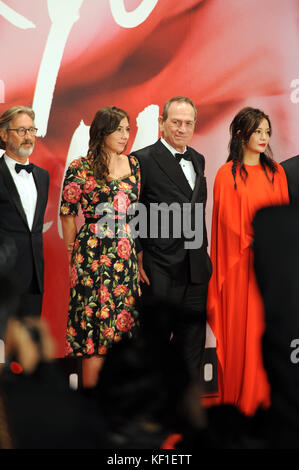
point(25, 152)
point(21, 152)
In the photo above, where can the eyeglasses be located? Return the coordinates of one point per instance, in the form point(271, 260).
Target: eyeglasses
point(21, 131)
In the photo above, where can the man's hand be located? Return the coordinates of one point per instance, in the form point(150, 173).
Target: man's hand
point(142, 273)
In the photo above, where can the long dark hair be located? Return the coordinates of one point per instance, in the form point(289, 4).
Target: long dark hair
point(241, 128)
point(105, 122)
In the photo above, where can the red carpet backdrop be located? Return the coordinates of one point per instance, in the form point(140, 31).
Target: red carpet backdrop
point(68, 58)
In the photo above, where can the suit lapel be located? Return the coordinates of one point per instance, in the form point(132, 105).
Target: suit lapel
point(198, 180)
point(172, 168)
point(12, 190)
point(40, 197)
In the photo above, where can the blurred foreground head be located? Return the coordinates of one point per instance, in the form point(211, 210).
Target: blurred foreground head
point(276, 252)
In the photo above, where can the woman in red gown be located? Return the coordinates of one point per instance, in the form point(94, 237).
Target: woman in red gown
point(248, 181)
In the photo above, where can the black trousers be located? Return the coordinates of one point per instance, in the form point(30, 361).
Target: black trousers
point(30, 304)
point(183, 307)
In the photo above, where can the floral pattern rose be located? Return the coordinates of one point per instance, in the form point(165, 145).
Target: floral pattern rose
point(124, 248)
point(72, 192)
point(124, 321)
point(74, 276)
point(108, 333)
point(104, 294)
point(121, 202)
point(120, 290)
point(90, 184)
point(89, 346)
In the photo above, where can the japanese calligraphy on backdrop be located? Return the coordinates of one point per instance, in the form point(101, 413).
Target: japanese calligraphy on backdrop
point(67, 59)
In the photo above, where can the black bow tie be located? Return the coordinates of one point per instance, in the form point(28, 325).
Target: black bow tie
point(185, 156)
point(28, 168)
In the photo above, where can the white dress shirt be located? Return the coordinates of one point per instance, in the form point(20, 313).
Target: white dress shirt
point(26, 188)
point(186, 165)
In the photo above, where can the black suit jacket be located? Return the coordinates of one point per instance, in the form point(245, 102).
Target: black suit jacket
point(163, 181)
point(13, 224)
point(291, 168)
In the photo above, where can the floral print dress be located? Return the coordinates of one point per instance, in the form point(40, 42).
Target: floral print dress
point(104, 274)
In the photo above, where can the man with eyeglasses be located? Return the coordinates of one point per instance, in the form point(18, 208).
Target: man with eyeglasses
point(23, 199)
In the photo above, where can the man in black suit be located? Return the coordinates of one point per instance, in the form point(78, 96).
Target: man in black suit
point(23, 200)
point(291, 168)
point(172, 268)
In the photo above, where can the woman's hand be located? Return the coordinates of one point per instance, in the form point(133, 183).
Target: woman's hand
point(142, 273)
point(69, 230)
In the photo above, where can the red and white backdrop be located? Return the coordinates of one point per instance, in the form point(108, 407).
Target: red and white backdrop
point(68, 58)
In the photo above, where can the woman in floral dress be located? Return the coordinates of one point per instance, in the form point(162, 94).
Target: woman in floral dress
point(102, 255)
